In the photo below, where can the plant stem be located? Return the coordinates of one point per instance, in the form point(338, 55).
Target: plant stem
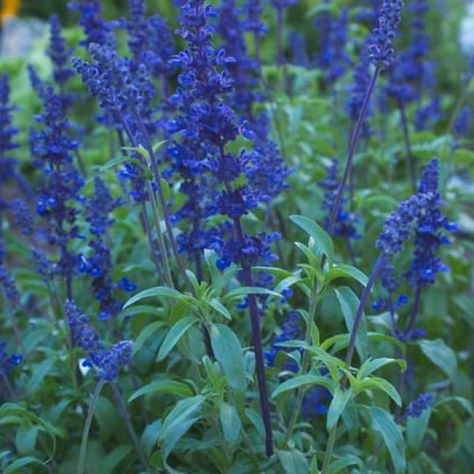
point(410, 163)
point(146, 225)
point(414, 311)
point(87, 426)
point(352, 149)
point(304, 365)
point(161, 242)
point(257, 344)
point(360, 310)
point(126, 417)
point(350, 351)
point(329, 449)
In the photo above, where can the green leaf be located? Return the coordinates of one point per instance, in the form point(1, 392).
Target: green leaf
point(371, 365)
point(179, 420)
point(416, 430)
point(298, 381)
point(118, 160)
point(293, 462)
point(114, 458)
point(158, 291)
point(392, 436)
point(349, 303)
point(170, 386)
point(146, 333)
point(337, 406)
point(174, 335)
point(440, 354)
point(378, 383)
point(342, 463)
point(25, 438)
point(39, 373)
point(317, 233)
point(220, 308)
point(228, 352)
point(18, 465)
point(341, 270)
point(150, 436)
point(230, 422)
point(243, 291)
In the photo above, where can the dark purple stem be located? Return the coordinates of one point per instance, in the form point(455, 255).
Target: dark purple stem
point(352, 149)
point(414, 311)
point(378, 265)
point(257, 344)
point(410, 160)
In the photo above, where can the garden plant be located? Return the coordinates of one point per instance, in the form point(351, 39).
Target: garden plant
point(236, 237)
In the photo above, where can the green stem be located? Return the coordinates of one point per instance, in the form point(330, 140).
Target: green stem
point(128, 421)
point(161, 241)
point(87, 427)
point(305, 364)
point(329, 449)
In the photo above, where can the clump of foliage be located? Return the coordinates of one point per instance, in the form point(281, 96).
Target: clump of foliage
point(226, 249)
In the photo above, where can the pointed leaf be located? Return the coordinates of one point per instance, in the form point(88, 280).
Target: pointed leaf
point(341, 270)
point(158, 291)
point(349, 303)
point(319, 235)
point(337, 406)
point(440, 354)
point(174, 387)
point(298, 381)
point(174, 335)
point(228, 352)
point(392, 436)
point(230, 422)
point(179, 420)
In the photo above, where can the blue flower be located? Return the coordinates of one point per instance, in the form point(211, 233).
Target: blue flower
point(8, 361)
point(59, 53)
point(52, 149)
point(8, 132)
point(107, 362)
point(426, 263)
point(416, 407)
point(290, 330)
point(97, 30)
point(462, 123)
point(150, 39)
point(23, 217)
point(99, 263)
point(380, 47)
point(345, 225)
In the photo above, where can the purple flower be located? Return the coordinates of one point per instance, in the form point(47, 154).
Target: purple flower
point(345, 225)
point(429, 237)
point(380, 47)
point(8, 361)
point(59, 54)
point(8, 164)
point(416, 407)
point(107, 362)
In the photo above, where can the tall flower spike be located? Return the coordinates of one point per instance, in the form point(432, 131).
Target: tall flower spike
point(150, 39)
point(99, 263)
point(8, 361)
point(59, 53)
point(6, 280)
point(108, 363)
point(202, 130)
point(381, 51)
point(426, 263)
point(96, 29)
point(346, 221)
point(7, 137)
point(52, 148)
